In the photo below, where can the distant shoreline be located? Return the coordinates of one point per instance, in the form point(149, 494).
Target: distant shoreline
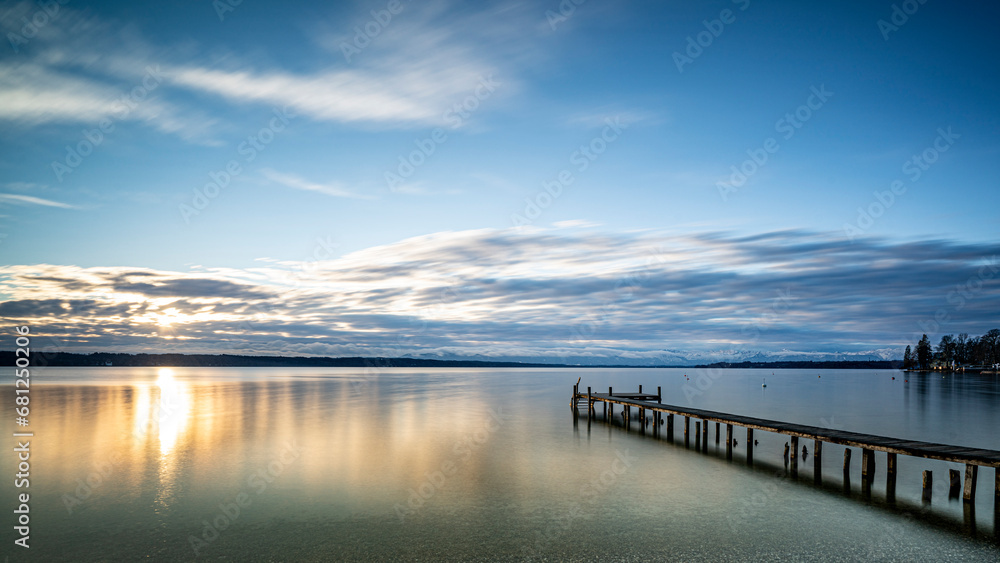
point(110, 359)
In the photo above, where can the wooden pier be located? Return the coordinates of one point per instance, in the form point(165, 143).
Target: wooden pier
point(645, 403)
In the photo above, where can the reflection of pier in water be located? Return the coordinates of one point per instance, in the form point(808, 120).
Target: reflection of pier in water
point(647, 409)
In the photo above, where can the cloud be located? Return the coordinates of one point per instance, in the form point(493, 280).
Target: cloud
point(24, 186)
point(396, 95)
point(293, 181)
point(544, 294)
point(31, 200)
point(38, 91)
point(79, 66)
point(33, 94)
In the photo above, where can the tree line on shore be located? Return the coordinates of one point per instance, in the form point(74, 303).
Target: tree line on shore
point(953, 351)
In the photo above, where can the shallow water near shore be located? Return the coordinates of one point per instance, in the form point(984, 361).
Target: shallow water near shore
point(320, 464)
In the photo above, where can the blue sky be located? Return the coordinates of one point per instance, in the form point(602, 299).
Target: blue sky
point(530, 140)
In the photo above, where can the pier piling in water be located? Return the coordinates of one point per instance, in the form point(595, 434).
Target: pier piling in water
point(971, 473)
point(867, 465)
point(817, 461)
point(954, 483)
point(890, 477)
point(928, 485)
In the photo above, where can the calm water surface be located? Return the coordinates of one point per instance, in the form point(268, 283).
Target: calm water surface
point(480, 464)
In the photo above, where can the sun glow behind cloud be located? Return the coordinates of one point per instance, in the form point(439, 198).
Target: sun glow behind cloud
point(514, 294)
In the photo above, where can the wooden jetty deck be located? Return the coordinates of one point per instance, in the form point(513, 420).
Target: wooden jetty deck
point(972, 458)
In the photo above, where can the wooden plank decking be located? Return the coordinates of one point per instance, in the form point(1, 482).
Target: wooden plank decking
point(944, 452)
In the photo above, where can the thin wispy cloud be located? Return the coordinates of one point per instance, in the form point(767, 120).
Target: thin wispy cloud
point(70, 79)
point(406, 94)
point(298, 183)
point(19, 199)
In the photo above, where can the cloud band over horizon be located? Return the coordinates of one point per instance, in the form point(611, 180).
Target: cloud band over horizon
point(533, 294)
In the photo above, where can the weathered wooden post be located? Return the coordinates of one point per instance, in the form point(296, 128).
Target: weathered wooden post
point(697, 435)
point(867, 465)
point(996, 490)
point(890, 477)
point(670, 427)
point(847, 461)
point(687, 427)
point(659, 394)
point(954, 483)
point(795, 455)
point(971, 474)
point(704, 435)
point(818, 461)
point(750, 446)
point(928, 486)
point(590, 404)
point(729, 441)
point(717, 432)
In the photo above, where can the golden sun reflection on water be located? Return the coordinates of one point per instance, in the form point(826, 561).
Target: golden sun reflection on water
point(162, 411)
point(173, 410)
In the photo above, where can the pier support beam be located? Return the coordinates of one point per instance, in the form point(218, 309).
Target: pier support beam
point(670, 427)
point(687, 429)
point(971, 474)
point(954, 482)
point(697, 435)
point(890, 477)
point(817, 461)
point(795, 455)
point(867, 465)
point(928, 486)
point(847, 471)
point(996, 489)
point(750, 446)
point(717, 432)
point(729, 441)
point(704, 435)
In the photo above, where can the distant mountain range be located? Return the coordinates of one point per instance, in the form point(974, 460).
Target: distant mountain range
point(66, 359)
point(676, 358)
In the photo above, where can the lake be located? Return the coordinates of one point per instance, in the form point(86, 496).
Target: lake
point(323, 464)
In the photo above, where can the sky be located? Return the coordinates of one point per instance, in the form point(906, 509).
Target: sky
point(575, 181)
